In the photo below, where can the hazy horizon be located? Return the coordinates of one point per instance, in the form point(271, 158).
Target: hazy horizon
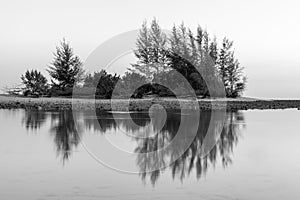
point(265, 34)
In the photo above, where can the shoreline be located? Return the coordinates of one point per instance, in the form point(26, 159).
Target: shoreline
point(54, 104)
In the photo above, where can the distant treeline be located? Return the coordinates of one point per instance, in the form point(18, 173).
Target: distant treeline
point(165, 64)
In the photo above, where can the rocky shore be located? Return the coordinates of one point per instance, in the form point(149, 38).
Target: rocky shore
point(52, 104)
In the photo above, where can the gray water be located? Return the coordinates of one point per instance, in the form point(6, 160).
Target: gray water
point(65, 155)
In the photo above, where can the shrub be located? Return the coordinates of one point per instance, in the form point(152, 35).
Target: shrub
point(35, 83)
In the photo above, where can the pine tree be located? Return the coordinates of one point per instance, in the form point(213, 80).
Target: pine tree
point(194, 53)
point(66, 68)
point(158, 46)
point(230, 70)
point(196, 58)
point(224, 60)
point(199, 40)
point(150, 51)
point(213, 50)
point(143, 52)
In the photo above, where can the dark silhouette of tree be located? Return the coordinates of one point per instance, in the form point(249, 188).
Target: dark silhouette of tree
point(66, 68)
point(213, 50)
point(196, 57)
point(184, 58)
point(35, 83)
point(150, 50)
point(143, 52)
point(103, 82)
point(230, 70)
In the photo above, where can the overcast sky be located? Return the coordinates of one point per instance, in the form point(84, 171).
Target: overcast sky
point(265, 33)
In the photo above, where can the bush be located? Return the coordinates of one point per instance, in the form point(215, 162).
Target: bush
point(35, 83)
point(102, 83)
point(56, 92)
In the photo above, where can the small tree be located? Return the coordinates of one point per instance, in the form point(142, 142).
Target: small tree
point(103, 82)
point(34, 82)
point(230, 70)
point(66, 68)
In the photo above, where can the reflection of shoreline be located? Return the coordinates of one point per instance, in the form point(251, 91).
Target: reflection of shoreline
point(56, 104)
point(66, 133)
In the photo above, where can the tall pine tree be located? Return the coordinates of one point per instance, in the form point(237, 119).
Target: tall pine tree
point(66, 69)
point(150, 51)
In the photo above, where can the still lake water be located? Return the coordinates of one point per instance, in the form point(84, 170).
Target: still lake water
point(47, 155)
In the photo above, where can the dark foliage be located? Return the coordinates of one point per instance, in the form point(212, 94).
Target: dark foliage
point(56, 91)
point(195, 57)
point(179, 64)
point(35, 83)
point(103, 82)
point(66, 68)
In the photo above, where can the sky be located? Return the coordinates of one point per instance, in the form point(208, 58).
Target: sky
point(265, 34)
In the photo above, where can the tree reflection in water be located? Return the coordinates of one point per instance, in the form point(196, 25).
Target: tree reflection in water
point(64, 127)
point(66, 133)
point(105, 121)
point(34, 119)
point(192, 158)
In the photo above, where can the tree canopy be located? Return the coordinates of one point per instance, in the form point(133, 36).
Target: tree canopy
point(197, 57)
point(35, 83)
point(66, 69)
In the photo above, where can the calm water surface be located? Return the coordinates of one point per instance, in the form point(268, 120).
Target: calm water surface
point(47, 155)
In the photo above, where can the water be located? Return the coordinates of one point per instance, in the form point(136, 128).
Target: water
point(58, 155)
